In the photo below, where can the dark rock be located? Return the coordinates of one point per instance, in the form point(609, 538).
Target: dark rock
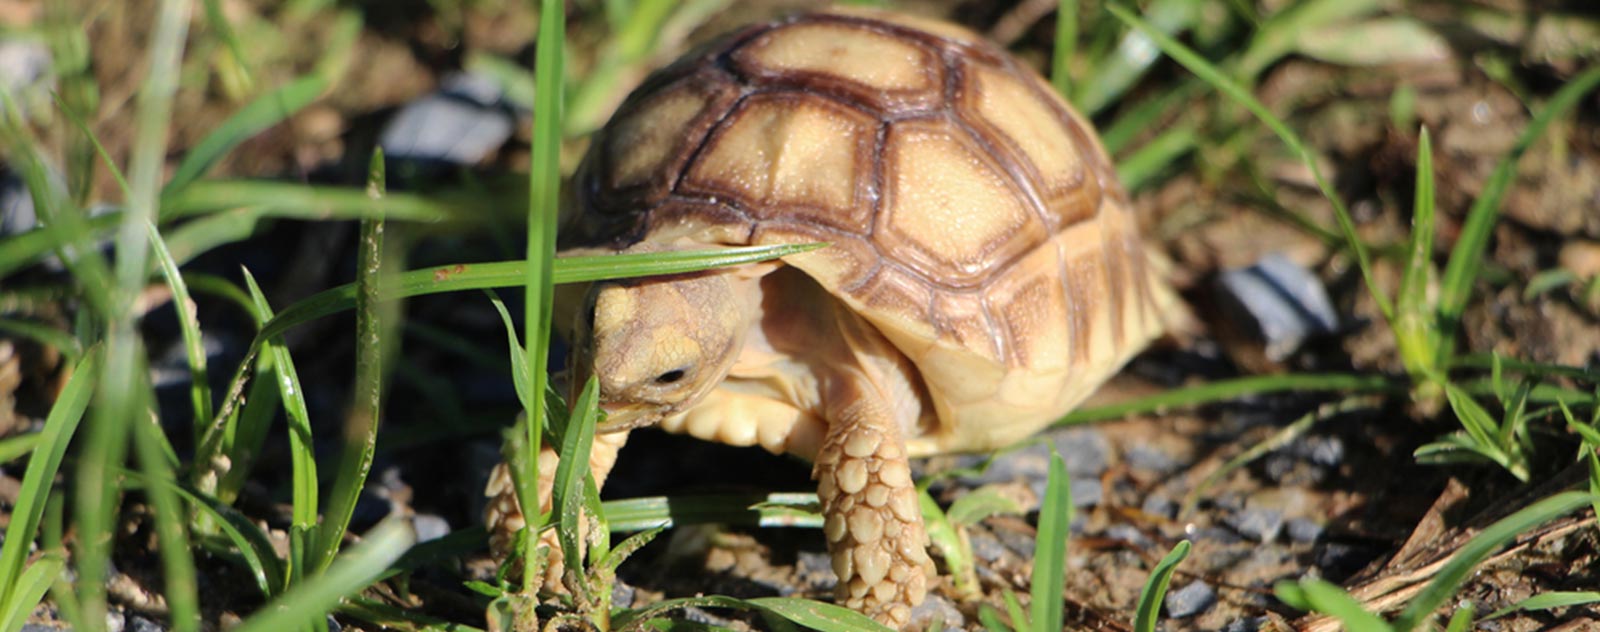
point(1304, 530)
point(1338, 560)
point(1261, 525)
point(141, 624)
point(1022, 544)
point(1190, 600)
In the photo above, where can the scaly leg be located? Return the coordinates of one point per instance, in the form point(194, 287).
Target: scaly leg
point(873, 522)
point(503, 515)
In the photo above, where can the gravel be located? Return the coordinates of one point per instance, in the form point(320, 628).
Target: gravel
point(1259, 524)
point(1190, 600)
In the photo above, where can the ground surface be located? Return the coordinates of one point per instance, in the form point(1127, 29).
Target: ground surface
point(1344, 501)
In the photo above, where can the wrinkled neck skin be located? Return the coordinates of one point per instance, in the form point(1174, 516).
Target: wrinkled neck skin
point(658, 345)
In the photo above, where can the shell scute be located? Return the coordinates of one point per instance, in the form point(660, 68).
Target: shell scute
point(948, 210)
point(827, 54)
point(650, 140)
point(790, 155)
point(1041, 141)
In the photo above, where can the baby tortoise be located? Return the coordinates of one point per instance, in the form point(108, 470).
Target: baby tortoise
point(985, 272)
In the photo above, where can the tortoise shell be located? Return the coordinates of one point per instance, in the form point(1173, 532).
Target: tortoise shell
point(973, 216)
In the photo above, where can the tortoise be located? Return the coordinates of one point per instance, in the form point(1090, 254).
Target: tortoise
point(984, 271)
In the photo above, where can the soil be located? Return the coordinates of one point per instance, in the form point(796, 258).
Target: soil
point(1345, 500)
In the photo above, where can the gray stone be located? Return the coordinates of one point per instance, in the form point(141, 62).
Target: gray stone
point(1127, 533)
point(461, 123)
point(430, 526)
point(1259, 524)
point(1304, 530)
point(936, 609)
point(137, 623)
point(1277, 302)
point(1251, 624)
point(1086, 451)
point(1150, 458)
point(1190, 600)
point(1159, 505)
point(984, 545)
point(814, 569)
point(622, 594)
point(1086, 492)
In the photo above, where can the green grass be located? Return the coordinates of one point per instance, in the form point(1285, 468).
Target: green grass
point(1111, 63)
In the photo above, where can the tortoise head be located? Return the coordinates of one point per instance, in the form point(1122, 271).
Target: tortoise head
point(658, 345)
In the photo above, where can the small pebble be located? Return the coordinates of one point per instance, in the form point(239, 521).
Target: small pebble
point(1190, 600)
point(1127, 533)
point(1022, 544)
point(1150, 458)
point(430, 526)
point(141, 624)
point(459, 124)
point(1086, 492)
point(1261, 525)
point(936, 609)
point(1277, 302)
point(622, 594)
point(1251, 624)
point(984, 545)
point(1215, 534)
point(1304, 530)
point(814, 569)
point(1160, 506)
point(1086, 451)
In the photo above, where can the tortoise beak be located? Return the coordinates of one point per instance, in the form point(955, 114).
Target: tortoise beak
point(619, 417)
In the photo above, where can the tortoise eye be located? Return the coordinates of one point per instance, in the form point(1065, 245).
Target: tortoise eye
point(670, 376)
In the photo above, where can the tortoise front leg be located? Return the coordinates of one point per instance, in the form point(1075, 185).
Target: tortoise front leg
point(503, 514)
point(873, 523)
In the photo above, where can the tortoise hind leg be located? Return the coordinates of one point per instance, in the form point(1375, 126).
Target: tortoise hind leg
point(503, 514)
point(873, 522)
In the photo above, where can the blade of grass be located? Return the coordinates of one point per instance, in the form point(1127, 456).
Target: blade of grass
point(1155, 588)
point(349, 574)
point(1219, 81)
point(1224, 390)
point(374, 332)
point(1065, 47)
point(1316, 595)
point(302, 455)
point(177, 558)
point(1134, 55)
point(59, 427)
point(544, 193)
point(577, 441)
point(218, 21)
point(1414, 327)
point(1466, 257)
point(757, 510)
point(1050, 558)
point(1454, 572)
point(30, 589)
point(48, 336)
point(1548, 601)
point(297, 200)
point(266, 111)
point(189, 326)
point(477, 276)
point(120, 396)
